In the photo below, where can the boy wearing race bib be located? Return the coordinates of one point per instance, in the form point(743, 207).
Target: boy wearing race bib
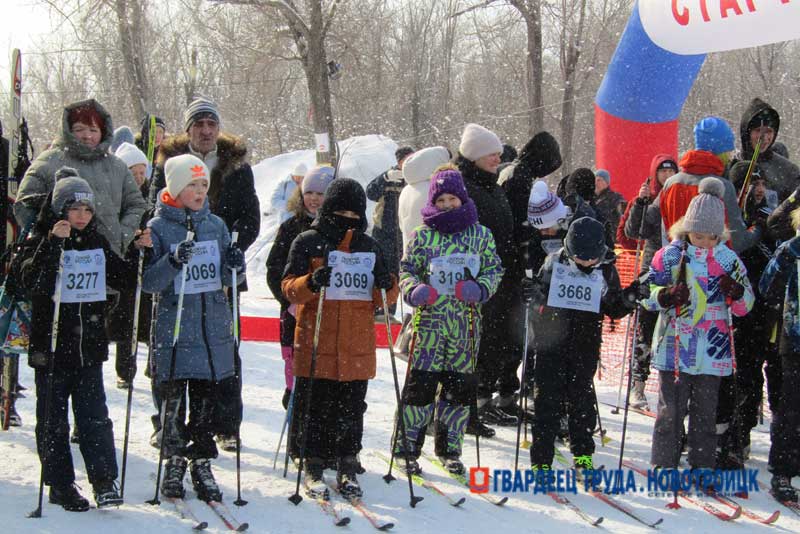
point(203, 355)
point(449, 268)
point(88, 265)
point(580, 285)
point(337, 255)
point(696, 283)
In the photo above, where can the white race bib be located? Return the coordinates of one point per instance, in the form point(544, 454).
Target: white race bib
point(351, 277)
point(202, 271)
point(551, 245)
point(447, 271)
point(83, 277)
point(574, 290)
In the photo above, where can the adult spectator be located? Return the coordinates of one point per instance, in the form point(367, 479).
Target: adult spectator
point(609, 204)
point(417, 171)
point(283, 192)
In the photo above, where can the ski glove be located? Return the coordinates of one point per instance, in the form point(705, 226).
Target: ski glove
point(183, 253)
point(234, 258)
point(635, 292)
point(531, 290)
point(672, 296)
point(468, 291)
point(321, 277)
point(730, 287)
point(423, 295)
point(384, 281)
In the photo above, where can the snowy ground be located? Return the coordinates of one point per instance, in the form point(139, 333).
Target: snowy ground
point(267, 491)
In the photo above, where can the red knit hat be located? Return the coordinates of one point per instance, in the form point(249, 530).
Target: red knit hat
point(87, 115)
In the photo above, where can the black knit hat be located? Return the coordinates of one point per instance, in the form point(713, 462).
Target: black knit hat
point(402, 153)
point(159, 122)
point(581, 182)
point(345, 194)
point(542, 155)
point(586, 239)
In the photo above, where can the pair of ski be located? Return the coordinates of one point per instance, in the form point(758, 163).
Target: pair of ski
point(607, 499)
point(737, 510)
point(791, 505)
point(358, 504)
point(219, 508)
point(640, 411)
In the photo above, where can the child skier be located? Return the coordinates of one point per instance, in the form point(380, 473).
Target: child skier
point(580, 285)
point(449, 268)
point(337, 255)
point(696, 283)
point(203, 354)
point(65, 233)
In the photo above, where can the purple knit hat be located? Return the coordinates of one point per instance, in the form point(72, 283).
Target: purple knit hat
point(447, 181)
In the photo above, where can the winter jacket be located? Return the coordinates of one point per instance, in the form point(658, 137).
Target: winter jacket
point(447, 321)
point(279, 253)
point(205, 344)
point(82, 340)
point(703, 323)
point(385, 190)
point(280, 197)
point(610, 205)
point(778, 288)
point(782, 176)
point(412, 199)
point(346, 350)
point(232, 194)
point(119, 206)
point(494, 212)
point(627, 236)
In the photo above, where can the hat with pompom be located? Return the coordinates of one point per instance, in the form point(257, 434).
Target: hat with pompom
point(706, 211)
point(70, 189)
point(544, 208)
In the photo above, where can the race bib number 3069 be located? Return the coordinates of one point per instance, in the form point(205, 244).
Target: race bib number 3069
point(202, 271)
point(574, 290)
point(351, 276)
point(83, 277)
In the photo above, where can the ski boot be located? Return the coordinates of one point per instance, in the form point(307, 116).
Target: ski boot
point(346, 480)
point(492, 415)
point(452, 462)
point(106, 494)
point(174, 471)
point(782, 489)
point(68, 498)
point(203, 480)
point(584, 467)
point(314, 481)
point(638, 398)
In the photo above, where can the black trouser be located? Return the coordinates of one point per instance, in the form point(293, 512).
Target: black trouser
point(644, 338)
point(564, 375)
point(500, 349)
point(784, 455)
point(336, 418)
point(195, 439)
point(84, 385)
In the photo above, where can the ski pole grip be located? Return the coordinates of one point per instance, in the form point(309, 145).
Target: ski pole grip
point(234, 237)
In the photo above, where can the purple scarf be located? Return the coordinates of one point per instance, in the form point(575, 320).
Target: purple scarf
point(451, 221)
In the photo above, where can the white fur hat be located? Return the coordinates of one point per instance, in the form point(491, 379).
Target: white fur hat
point(477, 141)
point(181, 170)
point(131, 155)
point(420, 165)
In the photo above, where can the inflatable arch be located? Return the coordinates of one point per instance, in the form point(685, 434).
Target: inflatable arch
point(656, 62)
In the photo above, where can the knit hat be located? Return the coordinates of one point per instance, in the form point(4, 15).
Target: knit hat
point(581, 182)
point(131, 155)
point(604, 174)
point(713, 134)
point(402, 153)
point(447, 181)
point(88, 115)
point(544, 208)
point(317, 180)
point(667, 164)
point(706, 212)
point(180, 170)
point(586, 239)
point(300, 169)
point(70, 189)
point(345, 194)
point(477, 141)
point(145, 124)
point(200, 108)
point(421, 164)
point(541, 154)
point(123, 134)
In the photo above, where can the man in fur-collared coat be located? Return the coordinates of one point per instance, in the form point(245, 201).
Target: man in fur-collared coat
point(232, 197)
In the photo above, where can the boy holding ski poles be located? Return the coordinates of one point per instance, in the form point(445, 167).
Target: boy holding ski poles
point(192, 259)
point(67, 265)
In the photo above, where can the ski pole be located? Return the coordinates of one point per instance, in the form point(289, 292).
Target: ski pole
point(176, 331)
point(134, 352)
point(413, 500)
point(628, 392)
point(603, 438)
point(523, 388)
point(474, 360)
point(295, 498)
point(237, 367)
point(283, 431)
point(51, 365)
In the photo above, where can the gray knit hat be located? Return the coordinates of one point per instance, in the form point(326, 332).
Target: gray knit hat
point(200, 108)
point(706, 211)
point(70, 189)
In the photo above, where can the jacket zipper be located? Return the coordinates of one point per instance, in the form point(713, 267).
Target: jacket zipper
point(205, 337)
point(80, 338)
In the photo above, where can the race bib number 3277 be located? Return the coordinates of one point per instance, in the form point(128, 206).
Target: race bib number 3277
point(83, 277)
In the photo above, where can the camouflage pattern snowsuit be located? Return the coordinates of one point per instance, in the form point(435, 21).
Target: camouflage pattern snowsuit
point(445, 333)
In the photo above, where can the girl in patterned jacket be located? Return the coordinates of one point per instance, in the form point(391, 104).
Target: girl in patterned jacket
point(449, 268)
point(696, 283)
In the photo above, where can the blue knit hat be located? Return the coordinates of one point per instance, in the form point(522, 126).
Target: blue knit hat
point(713, 134)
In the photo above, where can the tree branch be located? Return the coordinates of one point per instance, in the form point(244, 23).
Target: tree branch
point(288, 11)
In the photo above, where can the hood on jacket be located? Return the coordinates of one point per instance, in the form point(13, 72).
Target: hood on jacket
point(754, 109)
point(541, 155)
point(69, 143)
point(658, 159)
point(420, 165)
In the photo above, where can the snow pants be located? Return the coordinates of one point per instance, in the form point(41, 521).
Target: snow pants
point(644, 339)
point(194, 439)
point(784, 454)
